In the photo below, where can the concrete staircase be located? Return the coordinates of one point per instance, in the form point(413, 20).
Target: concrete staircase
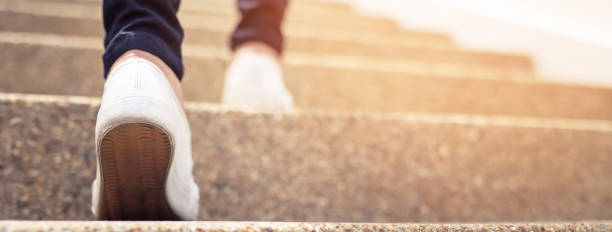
point(393, 126)
point(328, 166)
point(10, 226)
point(399, 70)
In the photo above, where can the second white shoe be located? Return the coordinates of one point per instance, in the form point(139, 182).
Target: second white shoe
point(143, 147)
point(254, 81)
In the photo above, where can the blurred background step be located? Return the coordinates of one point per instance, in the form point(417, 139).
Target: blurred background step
point(508, 66)
point(327, 166)
point(85, 226)
point(295, 9)
point(73, 67)
point(431, 67)
point(347, 18)
point(324, 31)
point(318, 4)
point(460, 135)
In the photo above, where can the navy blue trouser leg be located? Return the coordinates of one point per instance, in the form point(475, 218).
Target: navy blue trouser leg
point(261, 21)
point(152, 26)
point(148, 25)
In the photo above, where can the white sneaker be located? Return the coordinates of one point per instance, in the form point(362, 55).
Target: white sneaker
point(254, 81)
point(143, 147)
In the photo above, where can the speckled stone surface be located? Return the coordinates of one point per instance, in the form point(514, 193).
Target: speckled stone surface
point(319, 87)
point(299, 22)
point(17, 226)
point(420, 50)
point(321, 166)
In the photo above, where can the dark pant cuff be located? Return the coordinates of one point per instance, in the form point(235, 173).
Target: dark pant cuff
point(125, 41)
point(261, 21)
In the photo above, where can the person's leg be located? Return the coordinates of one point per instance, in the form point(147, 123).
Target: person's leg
point(143, 141)
point(144, 29)
point(254, 78)
point(261, 22)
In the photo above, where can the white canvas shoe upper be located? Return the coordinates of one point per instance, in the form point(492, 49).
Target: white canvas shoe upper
point(254, 81)
point(137, 91)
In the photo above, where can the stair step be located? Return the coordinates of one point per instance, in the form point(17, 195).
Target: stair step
point(84, 226)
point(385, 65)
point(327, 83)
point(298, 9)
point(332, 6)
point(295, 14)
point(327, 166)
point(324, 31)
point(345, 18)
point(508, 66)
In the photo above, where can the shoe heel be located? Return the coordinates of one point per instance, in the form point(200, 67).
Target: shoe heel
point(134, 160)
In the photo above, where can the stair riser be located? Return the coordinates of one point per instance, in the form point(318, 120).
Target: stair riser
point(294, 12)
point(214, 18)
point(85, 226)
point(295, 9)
point(520, 65)
point(79, 73)
point(324, 168)
point(326, 6)
point(196, 25)
point(298, 14)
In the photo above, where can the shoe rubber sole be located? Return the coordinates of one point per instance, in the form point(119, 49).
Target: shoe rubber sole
point(135, 159)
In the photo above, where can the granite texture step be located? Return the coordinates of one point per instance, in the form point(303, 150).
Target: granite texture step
point(191, 20)
point(326, 166)
point(318, 4)
point(362, 63)
point(320, 14)
point(507, 65)
point(42, 226)
point(298, 14)
point(298, 9)
point(327, 84)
